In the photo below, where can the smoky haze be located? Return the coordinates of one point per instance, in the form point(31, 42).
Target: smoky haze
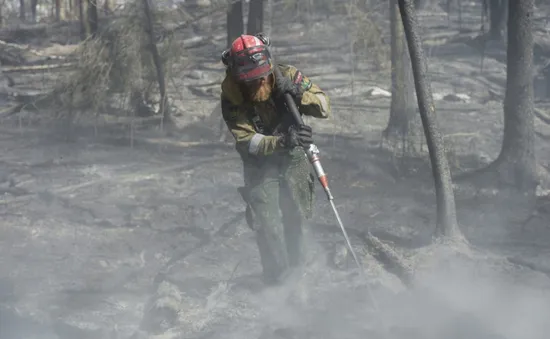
point(120, 217)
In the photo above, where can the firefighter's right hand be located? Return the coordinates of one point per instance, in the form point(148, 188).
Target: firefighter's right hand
point(301, 135)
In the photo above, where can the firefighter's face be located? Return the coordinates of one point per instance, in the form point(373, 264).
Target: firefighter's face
point(256, 83)
point(259, 89)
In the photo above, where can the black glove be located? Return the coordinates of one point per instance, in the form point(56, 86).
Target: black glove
point(285, 85)
point(301, 135)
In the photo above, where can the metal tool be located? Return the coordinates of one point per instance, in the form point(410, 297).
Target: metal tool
point(313, 156)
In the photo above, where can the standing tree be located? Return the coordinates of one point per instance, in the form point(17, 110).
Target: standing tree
point(516, 163)
point(255, 17)
point(403, 108)
point(88, 18)
point(163, 107)
point(447, 224)
point(22, 10)
point(84, 29)
point(498, 10)
point(235, 26)
point(108, 6)
point(92, 17)
point(58, 11)
point(34, 3)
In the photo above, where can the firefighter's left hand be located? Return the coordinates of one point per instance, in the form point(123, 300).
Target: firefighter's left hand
point(285, 85)
point(301, 135)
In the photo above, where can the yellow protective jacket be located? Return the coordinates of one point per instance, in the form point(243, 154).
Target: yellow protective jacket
point(239, 113)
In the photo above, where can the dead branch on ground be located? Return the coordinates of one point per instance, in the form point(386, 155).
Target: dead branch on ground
point(116, 71)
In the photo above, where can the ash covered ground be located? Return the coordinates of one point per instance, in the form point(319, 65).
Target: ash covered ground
point(101, 238)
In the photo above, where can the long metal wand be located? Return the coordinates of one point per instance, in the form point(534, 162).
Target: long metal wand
point(313, 156)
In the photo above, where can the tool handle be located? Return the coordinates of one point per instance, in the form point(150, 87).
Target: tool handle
point(289, 100)
point(313, 152)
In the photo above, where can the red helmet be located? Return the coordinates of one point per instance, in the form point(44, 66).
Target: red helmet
point(249, 58)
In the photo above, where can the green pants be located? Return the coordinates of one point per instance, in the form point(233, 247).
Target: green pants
point(279, 196)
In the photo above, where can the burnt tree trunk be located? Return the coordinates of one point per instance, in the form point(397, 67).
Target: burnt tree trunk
point(69, 9)
point(84, 24)
point(447, 224)
point(74, 8)
point(58, 10)
point(516, 162)
point(34, 3)
point(163, 107)
point(107, 7)
point(22, 10)
point(91, 17)
point(235, 25)
point(403, 107)
point(498, 10)
point(255, 17)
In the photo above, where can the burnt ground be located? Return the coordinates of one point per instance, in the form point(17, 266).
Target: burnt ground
point(99, 233)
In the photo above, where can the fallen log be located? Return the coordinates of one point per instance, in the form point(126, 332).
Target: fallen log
point(531, 265)
point(14, 108)
point(28, 49)
point(30, 99)
point(389, 258)
point(382, 252)
point(24, 68)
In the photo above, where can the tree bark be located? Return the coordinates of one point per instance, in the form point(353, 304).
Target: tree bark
point(255, 17)
point(403, 108)
point(516, 161)
point(163, 109)
point(447, 224)
point(84, 24)
point(92, 17)
point(235, 26)
point(107, 7)
point(74, 8)
point(22, 10)
point(33, 10)
point(58, 10)
point(498, 10)
point(389, 258)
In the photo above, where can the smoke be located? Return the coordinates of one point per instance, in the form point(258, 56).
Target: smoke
point(482, 296)
point(457, 295)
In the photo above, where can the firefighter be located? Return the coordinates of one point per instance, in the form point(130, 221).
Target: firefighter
point(278, 185)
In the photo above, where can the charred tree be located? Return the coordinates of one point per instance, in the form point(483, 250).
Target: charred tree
point(74, 9)
point(91, 17)
point(163, 107)
point(34, 3)
point(447, 224)
point(516, 162)
point(88, 18)
point(403, 108)
point(84, 28)
point(58, 11)
point(22, 10)
point(235, 25)
point(255, 17)
point(107, 7)
point(498, 13)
